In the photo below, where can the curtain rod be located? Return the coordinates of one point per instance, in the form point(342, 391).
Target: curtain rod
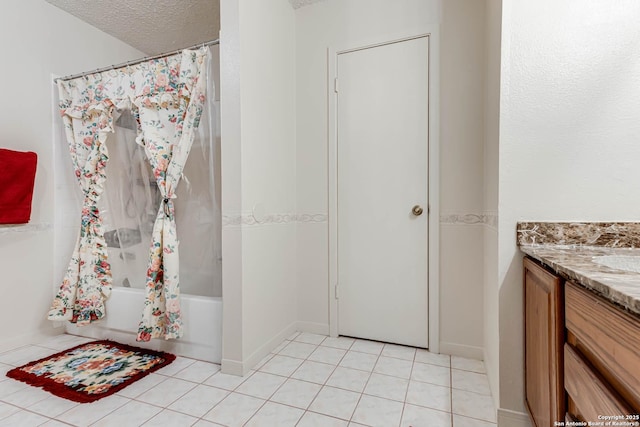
point(136, 61)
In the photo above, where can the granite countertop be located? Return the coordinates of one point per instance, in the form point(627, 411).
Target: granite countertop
point(570, 248)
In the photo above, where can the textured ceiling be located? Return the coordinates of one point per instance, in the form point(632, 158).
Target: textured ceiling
point(152, 26)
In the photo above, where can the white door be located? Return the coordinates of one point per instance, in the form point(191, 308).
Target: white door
point(382, 149)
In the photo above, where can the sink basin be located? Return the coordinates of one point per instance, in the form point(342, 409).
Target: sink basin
point(619, 262)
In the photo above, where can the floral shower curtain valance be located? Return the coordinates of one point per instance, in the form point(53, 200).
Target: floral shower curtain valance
point(166, 96)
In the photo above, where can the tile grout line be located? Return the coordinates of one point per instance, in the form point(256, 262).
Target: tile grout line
point(451, 388)
point(258, 370)
point(198, 418)
point(234, 391)
point(129, 400)
point(286, 378)
point(23, 408)
point(406, 393)
point(467, 416)
point(64, 412)
point(229, 394)
point(325, 381)
point(365, 385)
point(135, 399)
point(289, 377)
point(20, 408)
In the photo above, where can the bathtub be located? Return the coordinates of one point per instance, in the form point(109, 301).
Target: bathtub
point(202, 319)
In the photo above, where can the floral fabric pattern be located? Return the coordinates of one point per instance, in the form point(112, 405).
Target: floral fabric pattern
point(91, 371)
point(168, 116)
point(167, 97)
point(87, 282)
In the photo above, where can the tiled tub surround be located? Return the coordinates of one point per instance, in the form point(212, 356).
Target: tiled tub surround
point(309, 380)
point(570, 249)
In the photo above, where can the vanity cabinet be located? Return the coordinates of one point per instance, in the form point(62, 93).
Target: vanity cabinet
point(582, 353)
point(544, 340)
point(602, 360)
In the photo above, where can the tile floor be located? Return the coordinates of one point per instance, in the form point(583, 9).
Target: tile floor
point(309, 380)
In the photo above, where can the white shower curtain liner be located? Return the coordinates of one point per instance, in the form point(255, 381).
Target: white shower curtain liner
point(166, 96)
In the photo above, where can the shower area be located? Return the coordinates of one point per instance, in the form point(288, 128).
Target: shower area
point(129, 206)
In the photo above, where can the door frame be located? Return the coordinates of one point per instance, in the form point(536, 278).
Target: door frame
point(433, 196)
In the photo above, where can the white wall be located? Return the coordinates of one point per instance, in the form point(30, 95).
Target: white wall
point(259, 154)
point(36, 40)
point(569, 135)
point(461, 171)
point(231, 185)
point(491, 150)
point(337, 24)
point(268, 170)
point(342, 23)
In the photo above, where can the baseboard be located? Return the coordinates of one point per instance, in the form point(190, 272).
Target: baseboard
point(236, 367)
point(28, 339)
point(509, 418)
point(313, 328)
point(493, 385)
point(468, 351)
point(231, 367)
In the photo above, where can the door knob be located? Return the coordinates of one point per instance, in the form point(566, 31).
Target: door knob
point(417, 210)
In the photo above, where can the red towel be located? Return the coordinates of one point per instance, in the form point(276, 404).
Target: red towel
point(17, 175)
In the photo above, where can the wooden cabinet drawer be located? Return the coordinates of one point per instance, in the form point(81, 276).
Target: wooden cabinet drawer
point(608, 337)
point(592, 397)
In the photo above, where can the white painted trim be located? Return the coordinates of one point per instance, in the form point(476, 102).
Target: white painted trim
point(434, 190)
point(231, 367)
point(266, 348)
point(468, 351)
point(237, 367)
point(313, 327)
point(433, 246)
point(494, 386)
point(508, 418)
point(332, 173)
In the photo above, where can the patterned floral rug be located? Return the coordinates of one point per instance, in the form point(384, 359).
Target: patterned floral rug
point(91, 371)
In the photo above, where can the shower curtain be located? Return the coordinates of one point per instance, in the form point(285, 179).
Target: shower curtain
point(166, 96)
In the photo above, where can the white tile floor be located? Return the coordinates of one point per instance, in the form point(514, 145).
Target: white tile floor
point(309, 380)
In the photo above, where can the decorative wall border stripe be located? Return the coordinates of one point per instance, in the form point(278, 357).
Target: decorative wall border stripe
point(297, 4)
point(286, 218)
point(490, 219)
point(317, 217)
